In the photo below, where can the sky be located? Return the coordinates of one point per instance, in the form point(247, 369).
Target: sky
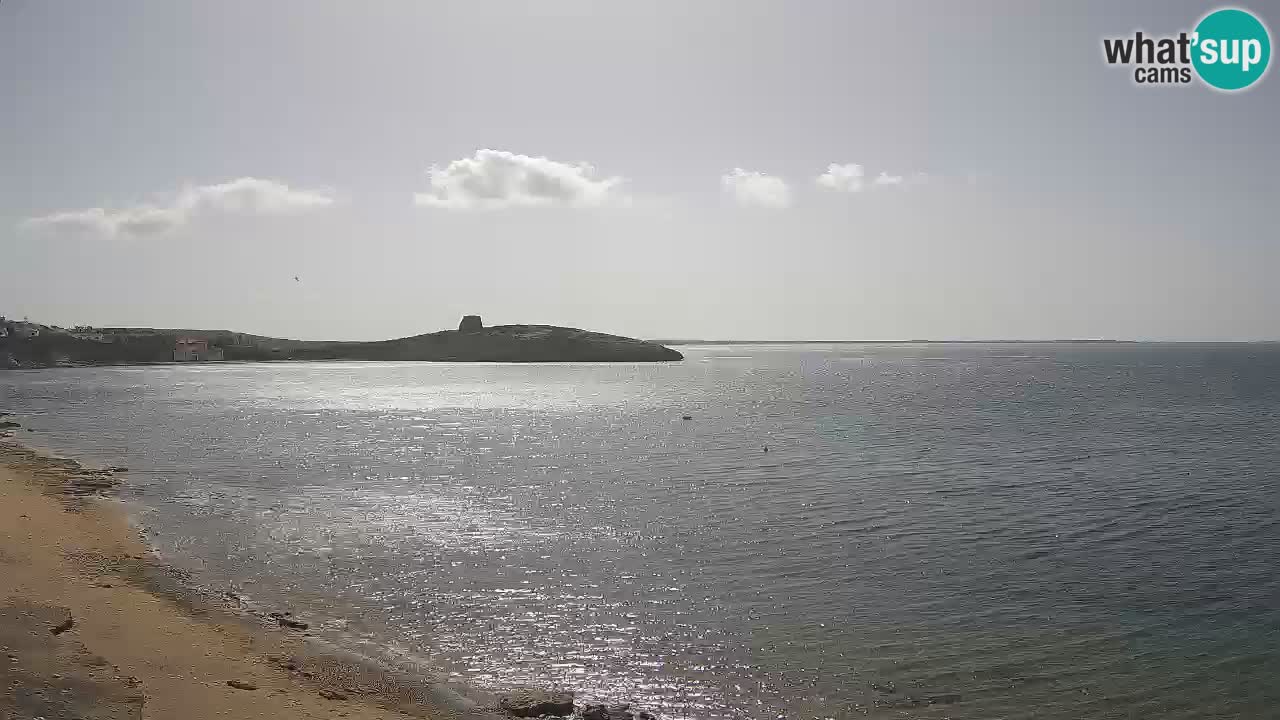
point(733, 169)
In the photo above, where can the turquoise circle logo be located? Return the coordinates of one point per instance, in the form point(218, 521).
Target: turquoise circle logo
point(1232, 49)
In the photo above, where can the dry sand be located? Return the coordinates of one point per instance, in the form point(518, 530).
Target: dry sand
point(133, 651)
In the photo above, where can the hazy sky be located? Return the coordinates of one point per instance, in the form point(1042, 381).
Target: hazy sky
point(657, 169)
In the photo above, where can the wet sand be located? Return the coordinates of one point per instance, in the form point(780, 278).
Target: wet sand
point(92, 626)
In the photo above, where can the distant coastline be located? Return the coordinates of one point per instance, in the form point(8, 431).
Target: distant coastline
point(1065, 341)
point(879, 342)
point(32, 345)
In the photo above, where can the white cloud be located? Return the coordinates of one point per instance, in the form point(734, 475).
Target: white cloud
point(91, 221)
point(253, 196)
point(884, 179)
point(495, 179)
point(243, 196)
point(755, 189)
point(144, 220)
point(852, 178)
point(842, 178)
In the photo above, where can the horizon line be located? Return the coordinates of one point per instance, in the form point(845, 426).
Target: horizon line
point(924, 341)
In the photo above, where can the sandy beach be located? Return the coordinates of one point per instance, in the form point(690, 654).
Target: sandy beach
point(90, 630)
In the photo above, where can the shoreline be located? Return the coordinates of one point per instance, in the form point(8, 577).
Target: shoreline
point(141, 643)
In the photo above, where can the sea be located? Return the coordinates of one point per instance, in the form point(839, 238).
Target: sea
point(1021, 530)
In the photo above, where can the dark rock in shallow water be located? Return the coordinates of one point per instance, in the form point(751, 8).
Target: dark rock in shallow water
point(610, 712)
point(530, 702)
point(89, 482)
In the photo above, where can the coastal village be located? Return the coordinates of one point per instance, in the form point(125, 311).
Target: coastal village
point(57, 345)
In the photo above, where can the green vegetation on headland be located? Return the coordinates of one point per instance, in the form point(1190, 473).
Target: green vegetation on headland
point(29, 345)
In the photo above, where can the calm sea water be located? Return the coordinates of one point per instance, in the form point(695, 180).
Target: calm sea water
point(1008, 531)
